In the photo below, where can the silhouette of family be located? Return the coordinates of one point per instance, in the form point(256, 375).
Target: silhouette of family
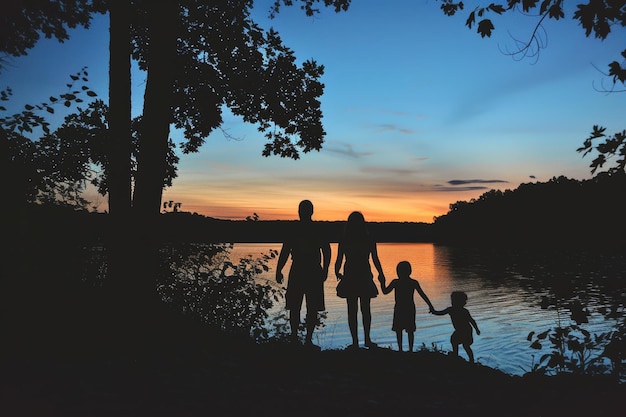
point(310, 259)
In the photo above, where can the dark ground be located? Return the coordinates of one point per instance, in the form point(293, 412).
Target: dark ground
point(280, 380)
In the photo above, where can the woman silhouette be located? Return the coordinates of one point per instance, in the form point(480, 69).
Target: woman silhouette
point(357, 282)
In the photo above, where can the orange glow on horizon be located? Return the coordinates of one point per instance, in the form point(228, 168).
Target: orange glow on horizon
point(326, 208)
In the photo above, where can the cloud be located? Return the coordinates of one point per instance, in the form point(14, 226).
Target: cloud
point(346, 149)
point(392, 112)
point(388, 127)
point(441, 188)
point(385, 170)
point(404, 114)
point(465, 182)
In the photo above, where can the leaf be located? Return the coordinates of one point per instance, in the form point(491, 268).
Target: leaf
point(556, 12)
point(536, 345)
point(471, 19)
point(496, 8)
point(543, 335)
point(485, 27)
point(530, 336)
point(91, 93)
point(29, 107)
point(67, 103)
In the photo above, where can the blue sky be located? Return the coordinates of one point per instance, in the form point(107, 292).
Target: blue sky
point(419, 112)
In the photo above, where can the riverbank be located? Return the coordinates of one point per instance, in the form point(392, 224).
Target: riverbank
point(280, 380)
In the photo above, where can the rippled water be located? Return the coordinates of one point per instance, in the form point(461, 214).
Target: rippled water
point(502, 300)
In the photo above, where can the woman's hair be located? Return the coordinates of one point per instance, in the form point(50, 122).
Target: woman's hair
point(355, 228)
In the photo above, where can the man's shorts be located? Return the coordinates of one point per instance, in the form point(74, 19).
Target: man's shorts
point(305, 285)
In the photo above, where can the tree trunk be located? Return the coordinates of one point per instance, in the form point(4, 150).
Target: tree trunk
point(146, 307)
point(157, 111)
point(119, 110)
point(117, 314)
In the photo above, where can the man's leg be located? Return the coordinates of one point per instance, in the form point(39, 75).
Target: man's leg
point(294, 322)
point(311, 321)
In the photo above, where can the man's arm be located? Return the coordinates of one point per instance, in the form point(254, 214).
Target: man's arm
point(339, 261)
point(325, 259)
point(285, 250)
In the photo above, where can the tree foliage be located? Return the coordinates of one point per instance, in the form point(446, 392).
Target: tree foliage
point(201, 282)
point(47, 169)
point(56, 166)
point(23, 22)
point(226, 60)
point(613, 147)
point(596, 17)
point(560, 212)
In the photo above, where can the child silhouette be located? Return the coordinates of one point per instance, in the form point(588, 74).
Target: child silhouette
point(404, 308)
point(462, 322)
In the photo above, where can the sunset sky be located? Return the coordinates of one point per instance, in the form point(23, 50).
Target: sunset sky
point(419, 111)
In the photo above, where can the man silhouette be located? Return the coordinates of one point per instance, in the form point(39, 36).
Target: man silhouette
point(310, 258)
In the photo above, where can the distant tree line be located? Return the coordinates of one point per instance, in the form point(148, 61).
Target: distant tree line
point(561, 211)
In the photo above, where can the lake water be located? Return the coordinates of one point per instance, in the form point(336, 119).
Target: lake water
point(505, 298)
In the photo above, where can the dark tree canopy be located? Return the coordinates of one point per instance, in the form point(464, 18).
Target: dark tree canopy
point(23, 22)
point(224, 59)
point(596, 17)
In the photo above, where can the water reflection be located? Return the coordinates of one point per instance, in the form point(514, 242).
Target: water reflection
point(510, 294)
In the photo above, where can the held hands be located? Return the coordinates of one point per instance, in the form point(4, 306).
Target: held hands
point(339, 276)
point(279, 277)
point(381, 279)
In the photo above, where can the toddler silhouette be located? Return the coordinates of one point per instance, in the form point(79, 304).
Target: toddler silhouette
point(462, 322)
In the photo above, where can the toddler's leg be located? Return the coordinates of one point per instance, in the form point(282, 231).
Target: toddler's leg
point(470, 353)
point(411, 340)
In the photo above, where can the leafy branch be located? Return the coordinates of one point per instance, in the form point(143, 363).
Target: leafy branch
point(28, 119)
point(613, 147)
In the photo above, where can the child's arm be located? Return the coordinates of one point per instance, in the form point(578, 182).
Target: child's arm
point(386, 289)
point(440, 312)
point(424, 296)
point(473, 322)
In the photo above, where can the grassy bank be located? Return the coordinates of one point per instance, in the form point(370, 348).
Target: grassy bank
point(279, 380)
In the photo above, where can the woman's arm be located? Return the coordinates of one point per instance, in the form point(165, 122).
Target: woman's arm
point(376, 260)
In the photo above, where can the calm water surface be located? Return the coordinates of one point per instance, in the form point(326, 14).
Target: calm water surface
point(500, 300)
